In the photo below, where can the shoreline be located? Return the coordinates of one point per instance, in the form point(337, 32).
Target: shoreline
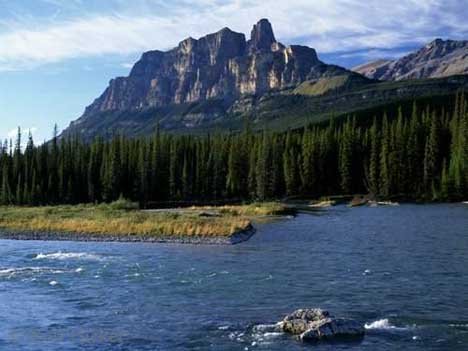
point(233, 239)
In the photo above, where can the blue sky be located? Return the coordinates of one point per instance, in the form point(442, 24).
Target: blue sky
point(56, 56)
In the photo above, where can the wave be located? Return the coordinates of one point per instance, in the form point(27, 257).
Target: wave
point(383, 324)
point(263, 334)
point(11, 272)
point(267, 328)
point(67, 256)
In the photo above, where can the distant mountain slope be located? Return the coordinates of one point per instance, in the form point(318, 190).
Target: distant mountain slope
point(440, 58)
point(220, 66)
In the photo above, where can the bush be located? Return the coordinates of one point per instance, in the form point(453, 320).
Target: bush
point(124, 204)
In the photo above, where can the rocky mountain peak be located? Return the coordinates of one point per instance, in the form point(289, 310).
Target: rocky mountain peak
point(262, 36)
point(218, 66)
point(435, 42)
point(439, 58)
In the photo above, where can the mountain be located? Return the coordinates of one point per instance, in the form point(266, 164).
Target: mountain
point(220, 65)
point(440, 58)
point(221, 80)
point(223, 66)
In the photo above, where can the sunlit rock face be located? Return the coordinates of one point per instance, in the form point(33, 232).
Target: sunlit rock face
point(220, 65)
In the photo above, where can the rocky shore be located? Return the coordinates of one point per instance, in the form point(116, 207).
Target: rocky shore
point(236, 238)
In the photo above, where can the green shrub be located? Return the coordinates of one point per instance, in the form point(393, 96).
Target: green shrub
point(123, 204)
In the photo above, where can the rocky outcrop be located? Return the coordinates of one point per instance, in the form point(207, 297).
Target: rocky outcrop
point(440, 58)
point(262, 37)
point(317, 324)
point(222, 65)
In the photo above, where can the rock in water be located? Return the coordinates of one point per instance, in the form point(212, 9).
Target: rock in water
point(317, 324)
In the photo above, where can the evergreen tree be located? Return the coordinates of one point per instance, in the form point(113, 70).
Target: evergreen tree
point(432, 156)
point(374, 160)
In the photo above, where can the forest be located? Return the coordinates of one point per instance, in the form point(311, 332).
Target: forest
point(421, 155)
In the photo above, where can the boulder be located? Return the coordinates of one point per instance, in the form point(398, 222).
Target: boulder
point(317, 324)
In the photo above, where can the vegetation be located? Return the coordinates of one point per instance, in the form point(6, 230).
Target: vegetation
point(421, 155)
point(330, 84)
point(321, 86)
point(117, 219)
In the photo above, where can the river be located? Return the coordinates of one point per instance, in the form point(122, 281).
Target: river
point(403, 271)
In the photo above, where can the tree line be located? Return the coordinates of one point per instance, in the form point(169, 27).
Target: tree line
point(421, 155)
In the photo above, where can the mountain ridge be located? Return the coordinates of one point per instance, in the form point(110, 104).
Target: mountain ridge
point(437, 59)
point(222, 79)
point(222, 65)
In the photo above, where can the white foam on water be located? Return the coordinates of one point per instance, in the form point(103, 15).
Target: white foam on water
point(67, 256)
point(263, 334)
point(53, 283)
point(11, 272)
point(458, 325)
point(7, 271)
point(383, 324)
point(79, 269)
point(265, 328)
point(272, 335)
point(379, 324)
point(237, 336)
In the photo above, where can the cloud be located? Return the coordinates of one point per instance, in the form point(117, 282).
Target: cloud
point(328, 25)
point(373, 54)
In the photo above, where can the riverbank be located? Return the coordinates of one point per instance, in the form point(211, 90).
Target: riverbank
point(123, 221)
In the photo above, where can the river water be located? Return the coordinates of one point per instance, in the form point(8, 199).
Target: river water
point(403, 271)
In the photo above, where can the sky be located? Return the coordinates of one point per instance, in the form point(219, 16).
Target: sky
point(57, 56)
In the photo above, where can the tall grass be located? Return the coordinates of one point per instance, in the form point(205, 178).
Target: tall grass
point(107, 220)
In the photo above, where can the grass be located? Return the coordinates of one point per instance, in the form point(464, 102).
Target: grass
point(255, 209)
point(122, 219)
point(321, 86)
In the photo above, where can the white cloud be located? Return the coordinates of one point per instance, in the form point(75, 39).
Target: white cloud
point(328, 25)
point(373, 54)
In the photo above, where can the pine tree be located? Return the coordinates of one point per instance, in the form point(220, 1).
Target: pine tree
point(346, 159)
point(5, 198)
point(143, 177)
point(291, 176)
point(234, 176)
point(385, 181)
point(374, 160)
point(261, 167)
point(432, 156)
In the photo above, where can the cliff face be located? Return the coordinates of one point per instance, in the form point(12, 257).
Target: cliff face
point(220, 65)
point(440, 58)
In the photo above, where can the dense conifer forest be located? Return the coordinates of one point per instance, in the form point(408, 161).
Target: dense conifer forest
point(422, 155)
